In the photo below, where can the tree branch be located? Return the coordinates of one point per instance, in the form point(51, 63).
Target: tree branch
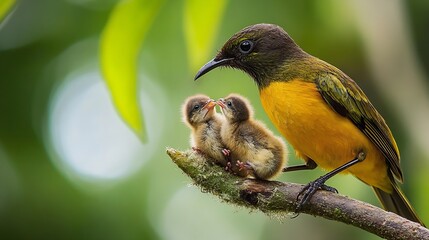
point(278, 198)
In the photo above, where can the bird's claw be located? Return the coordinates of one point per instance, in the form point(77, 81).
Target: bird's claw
point(328, 188)
point(228, 166)
point(309, 190)
point(226, 152)
point(243, 165)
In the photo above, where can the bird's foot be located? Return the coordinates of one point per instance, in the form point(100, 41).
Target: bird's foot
point(243, 166)
point(309, 190)
point(228, 167)
point(226, 152)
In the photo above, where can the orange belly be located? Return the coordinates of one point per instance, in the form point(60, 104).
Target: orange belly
point(316, 131)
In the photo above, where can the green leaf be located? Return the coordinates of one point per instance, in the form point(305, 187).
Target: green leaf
point(5, 7)
point(202, 20)
point(120, 45)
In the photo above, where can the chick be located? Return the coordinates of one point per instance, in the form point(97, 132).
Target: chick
point(200, 115)
point(255, 151)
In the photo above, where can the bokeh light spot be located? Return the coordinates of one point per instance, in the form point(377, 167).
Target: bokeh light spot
point(88, 139)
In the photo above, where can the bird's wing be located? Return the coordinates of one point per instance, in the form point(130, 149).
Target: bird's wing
point(346, 98)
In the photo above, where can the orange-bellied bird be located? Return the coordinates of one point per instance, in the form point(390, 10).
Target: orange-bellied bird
point(320, 110)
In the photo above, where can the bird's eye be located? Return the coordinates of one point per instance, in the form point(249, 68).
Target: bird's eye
point(246, 46)
point(229, 103)
point(196, 107)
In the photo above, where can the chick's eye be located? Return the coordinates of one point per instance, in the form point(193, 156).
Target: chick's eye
point(196, 107)
point(229, 103)
point(246, 46)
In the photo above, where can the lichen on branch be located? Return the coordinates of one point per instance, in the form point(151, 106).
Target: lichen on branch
point(278, 198)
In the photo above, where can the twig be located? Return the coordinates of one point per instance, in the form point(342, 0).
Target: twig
point(278, 198)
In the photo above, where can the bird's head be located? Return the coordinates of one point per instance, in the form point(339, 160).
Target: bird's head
point(198, 109)
point(258, 50)
point(235, 108)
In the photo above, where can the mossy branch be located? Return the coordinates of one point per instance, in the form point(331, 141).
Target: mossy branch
point(278, 198)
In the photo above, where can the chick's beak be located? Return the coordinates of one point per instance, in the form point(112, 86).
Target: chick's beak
point(209, 106)
point(221, 103)
point(212, 64)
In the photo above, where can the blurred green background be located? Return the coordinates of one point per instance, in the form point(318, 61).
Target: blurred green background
point(71, 169)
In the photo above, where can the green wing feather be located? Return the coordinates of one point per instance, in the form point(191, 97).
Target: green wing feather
point(346, 98)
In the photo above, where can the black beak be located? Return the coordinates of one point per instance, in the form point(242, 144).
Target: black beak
point(212, 64)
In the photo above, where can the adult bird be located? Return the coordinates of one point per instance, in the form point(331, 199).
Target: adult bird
point(321, 112)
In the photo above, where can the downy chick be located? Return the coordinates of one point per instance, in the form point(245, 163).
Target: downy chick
point(200, 115)
point(254, 149)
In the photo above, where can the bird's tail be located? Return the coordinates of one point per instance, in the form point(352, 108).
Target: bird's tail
point(397, 202)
